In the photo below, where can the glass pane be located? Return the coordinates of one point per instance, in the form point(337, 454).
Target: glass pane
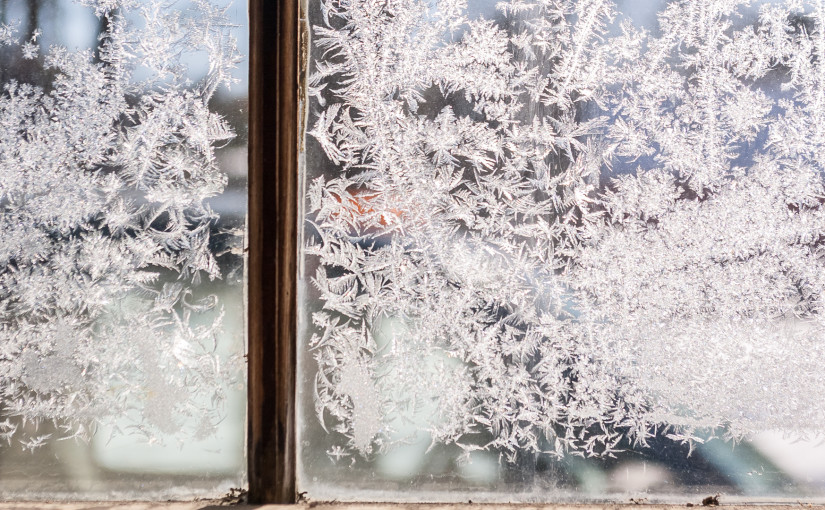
point(122, 210)
point(564, 250)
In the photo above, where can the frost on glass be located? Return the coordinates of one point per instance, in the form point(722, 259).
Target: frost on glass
point(107, 163)
point(550, 231)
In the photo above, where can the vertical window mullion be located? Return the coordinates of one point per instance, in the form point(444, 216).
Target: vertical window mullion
point(273, 169)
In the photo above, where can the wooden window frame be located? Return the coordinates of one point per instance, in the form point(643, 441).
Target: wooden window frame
point(272, 258)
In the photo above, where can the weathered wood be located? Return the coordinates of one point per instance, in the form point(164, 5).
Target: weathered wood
point(273, 163)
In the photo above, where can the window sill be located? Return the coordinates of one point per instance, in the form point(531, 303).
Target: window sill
point(218, 504)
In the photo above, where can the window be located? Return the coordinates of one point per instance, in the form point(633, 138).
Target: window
point(122, 206)
point(527, 261)
point(560, 250)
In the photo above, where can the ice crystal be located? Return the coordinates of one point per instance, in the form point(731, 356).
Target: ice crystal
point(105, 229)
point(585, 233)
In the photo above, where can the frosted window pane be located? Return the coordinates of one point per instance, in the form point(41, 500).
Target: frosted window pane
point(563, 249)
point(122, 205)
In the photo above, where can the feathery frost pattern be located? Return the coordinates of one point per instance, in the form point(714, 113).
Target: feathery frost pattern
point(553, 231)
point(105, 229)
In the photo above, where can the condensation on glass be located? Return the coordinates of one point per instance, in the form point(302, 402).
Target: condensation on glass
point(563, 250)
point(122, 204)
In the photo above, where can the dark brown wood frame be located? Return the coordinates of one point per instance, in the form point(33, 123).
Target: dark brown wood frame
point(272, 270)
